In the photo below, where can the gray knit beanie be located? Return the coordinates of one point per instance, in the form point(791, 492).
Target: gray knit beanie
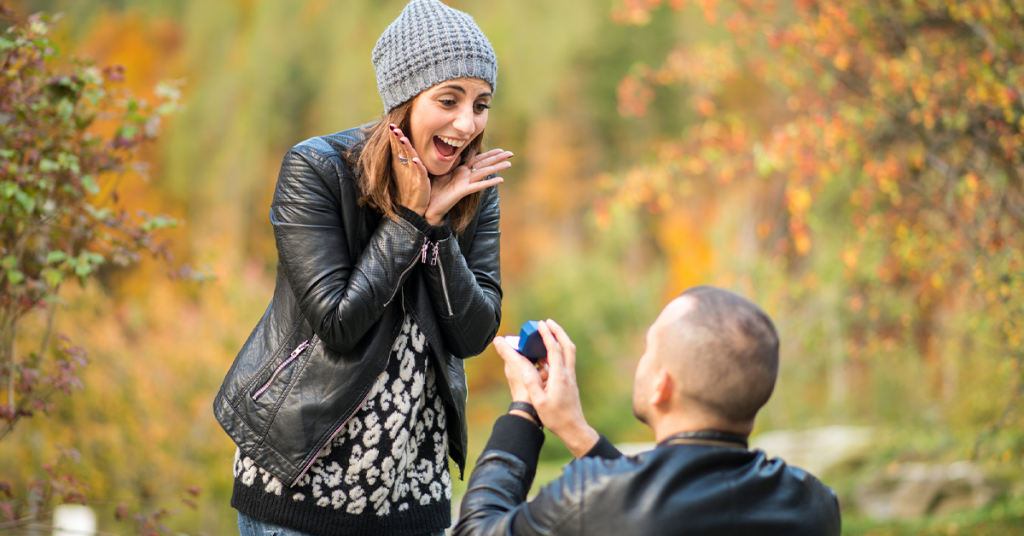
point(426, 45)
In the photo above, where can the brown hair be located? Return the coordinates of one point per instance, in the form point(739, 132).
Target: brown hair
point(372, 162)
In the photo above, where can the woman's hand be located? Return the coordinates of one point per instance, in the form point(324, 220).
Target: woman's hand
point(410, 173)
point(464, 180)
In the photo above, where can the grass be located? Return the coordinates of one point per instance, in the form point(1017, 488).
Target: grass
point(1005, 517)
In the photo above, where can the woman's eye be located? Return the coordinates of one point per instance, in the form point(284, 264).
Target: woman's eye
point(448, 102)
point(481, 107)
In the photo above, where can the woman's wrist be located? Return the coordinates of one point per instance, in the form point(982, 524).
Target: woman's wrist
point(436, 220)
point(421, 210)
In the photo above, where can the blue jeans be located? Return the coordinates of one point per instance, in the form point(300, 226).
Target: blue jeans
point(250, 526)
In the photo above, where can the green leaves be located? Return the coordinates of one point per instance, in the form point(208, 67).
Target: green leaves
point(55, 256)
point(26, 201)
point(159, 222)
point(60, 214)
point(14, 275)
point(85, 263)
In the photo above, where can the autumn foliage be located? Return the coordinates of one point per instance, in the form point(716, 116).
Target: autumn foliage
point(68, 136)
point(887, 136)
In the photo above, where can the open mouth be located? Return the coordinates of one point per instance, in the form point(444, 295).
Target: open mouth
point(446, 147)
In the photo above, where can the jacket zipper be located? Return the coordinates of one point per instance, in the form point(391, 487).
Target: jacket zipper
point(426, 245)
point(343, 423)
point(339, 429)
point(411, 264)
point(444, 284)
point(295, 353)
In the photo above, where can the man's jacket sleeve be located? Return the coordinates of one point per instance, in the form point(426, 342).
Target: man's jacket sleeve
point(495, 500)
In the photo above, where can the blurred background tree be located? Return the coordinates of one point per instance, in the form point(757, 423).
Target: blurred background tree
point(68, 137)
point(889, 204)
point(852, 166)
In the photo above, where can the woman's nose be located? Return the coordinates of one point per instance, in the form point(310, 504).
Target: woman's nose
point(464, 122)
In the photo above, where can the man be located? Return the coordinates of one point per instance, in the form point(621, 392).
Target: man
point(710, 364)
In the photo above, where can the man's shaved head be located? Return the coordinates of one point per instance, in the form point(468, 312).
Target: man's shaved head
point(721, 350)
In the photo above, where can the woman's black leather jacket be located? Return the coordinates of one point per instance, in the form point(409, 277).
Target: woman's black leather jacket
point(346, 277)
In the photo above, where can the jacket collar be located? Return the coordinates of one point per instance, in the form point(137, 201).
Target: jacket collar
point(712, 438)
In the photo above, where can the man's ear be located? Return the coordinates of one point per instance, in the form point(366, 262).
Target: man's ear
point(661, 393)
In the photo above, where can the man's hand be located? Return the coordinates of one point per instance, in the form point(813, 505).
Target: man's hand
point(557, 400)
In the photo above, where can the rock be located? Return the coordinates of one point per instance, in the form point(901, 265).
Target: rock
point(632, 449)
point(818, 450)
point(913, 490)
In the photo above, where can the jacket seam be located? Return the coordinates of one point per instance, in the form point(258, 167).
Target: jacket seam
point(453, 319)
point(308, 153)
point(300, 204)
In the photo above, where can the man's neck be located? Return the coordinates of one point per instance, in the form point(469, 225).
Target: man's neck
point(670, 425)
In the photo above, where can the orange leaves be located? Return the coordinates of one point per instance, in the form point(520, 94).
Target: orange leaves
point(635, 12)
point(683, 238)
point(638, 12)
point(887, 175)
point(841, 60)
point(888, 161)
point(704, 69)
point(634, 95)
point(798, 202)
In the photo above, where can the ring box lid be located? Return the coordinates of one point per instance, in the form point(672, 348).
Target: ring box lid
point(529, 342)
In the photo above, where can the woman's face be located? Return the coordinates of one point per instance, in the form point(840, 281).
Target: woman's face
point(445, 118)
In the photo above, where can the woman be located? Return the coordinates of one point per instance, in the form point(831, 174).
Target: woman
point(350, 392)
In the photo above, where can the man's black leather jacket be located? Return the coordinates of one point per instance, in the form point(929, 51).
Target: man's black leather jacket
point(346, 277)
point(684, 489)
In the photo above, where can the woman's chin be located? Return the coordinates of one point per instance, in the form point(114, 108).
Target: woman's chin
point(438, 168)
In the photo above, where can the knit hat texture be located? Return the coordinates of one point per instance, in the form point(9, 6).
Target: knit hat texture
point(427, 44)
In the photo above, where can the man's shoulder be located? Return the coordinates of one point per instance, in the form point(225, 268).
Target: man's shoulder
point(703, 485)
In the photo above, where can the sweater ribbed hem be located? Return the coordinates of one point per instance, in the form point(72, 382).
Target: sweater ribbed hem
point(307, 517)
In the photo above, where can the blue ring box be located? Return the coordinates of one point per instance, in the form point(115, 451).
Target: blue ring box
point(529, 343)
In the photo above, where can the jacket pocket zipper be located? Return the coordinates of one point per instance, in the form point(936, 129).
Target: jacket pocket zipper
point(444, 284)
point(295, 354)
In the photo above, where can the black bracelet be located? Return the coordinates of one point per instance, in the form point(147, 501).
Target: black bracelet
point(528, 408)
